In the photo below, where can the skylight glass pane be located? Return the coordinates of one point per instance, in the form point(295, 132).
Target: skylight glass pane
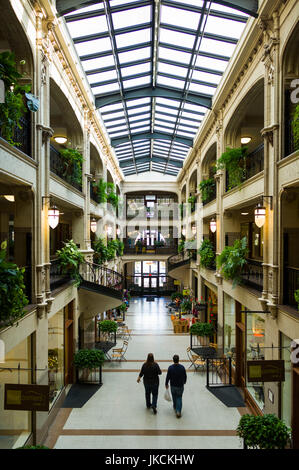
point(115, 116)
point(117, 130)
point(167, 102)
point(174, 37)
point(135, 82)
point(98, 63)
point(136, 54)
point(229, 10)
point(88, 26)
point(174, 70)
point(206, 77)
point(125, 71)
point(101, 77)
point(121, 122)
point(129, 39)
point(224, 27)
point(85, 10)
point(161, 107)
point(210, 63)
point(179, 17)
point(105, 88)
point(139, 118)
point(90, 47)
point(141, 129)
point(217, 47)
point(201, 89)
point(126, 18)
point(138, 110)
point(193, 107)
point(170, 82)
point(143, 123)
point(178, 56)
point(161, 116)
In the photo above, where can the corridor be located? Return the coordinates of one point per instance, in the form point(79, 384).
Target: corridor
point(116, 416)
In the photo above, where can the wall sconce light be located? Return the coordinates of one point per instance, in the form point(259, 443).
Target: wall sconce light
point(93, 225)
point(9, 197)
point(60, 139)
point(184, 232)
point(108, 230)
point(53, 213)
point(118, 231)
point(245, 140)
point(194, 229)
point(260, 212)
point(213, 225)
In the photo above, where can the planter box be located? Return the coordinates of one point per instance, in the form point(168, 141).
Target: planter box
point(89, 376)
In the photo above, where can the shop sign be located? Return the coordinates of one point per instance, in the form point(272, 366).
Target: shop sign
point(177, 283)
point(186, 292)
point(265, 371)
point(26, 397)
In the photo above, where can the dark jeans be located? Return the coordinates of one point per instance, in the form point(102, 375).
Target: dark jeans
point(151, 389)
point(177, 393)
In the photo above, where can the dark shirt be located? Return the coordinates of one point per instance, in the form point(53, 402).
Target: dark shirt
point(150, 373)
point(176, 375)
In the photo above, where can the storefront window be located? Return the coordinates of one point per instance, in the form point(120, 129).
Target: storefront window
point(229, 328)
point(286, 386)
point(15, 426)
point(56, 354)
point(255, 331)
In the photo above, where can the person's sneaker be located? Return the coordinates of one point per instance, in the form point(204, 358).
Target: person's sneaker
point(154, 410)
point(178, 414)
point(148, 407)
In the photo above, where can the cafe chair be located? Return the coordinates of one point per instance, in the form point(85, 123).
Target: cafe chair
point(195, 360)
point(118, 354)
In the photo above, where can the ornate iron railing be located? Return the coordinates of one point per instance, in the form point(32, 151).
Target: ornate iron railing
point(254, 165)
point(179, 259)
point(212, 196)
point(57, 278)
point(59, 166)
point(102, 276)
point(291, 284)
point(22, 137)
point(252, 275)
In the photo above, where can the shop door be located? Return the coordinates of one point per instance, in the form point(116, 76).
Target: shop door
point(150, 285)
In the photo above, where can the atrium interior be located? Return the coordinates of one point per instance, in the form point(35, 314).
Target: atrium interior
point(149, 203)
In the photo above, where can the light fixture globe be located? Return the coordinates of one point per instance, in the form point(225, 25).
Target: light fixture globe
point(60, 139)
point(259, 215)
point(93, 225)
point(213, 225)
point(53, 216)
point(245, 140)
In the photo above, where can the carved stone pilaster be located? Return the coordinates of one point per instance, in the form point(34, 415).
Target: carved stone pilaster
point(219, 278)
point(268, 133)
point(47, 132)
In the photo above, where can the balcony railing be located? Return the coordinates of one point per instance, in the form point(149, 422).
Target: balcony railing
point(59, 166)
point(254, 165)
point(28, 282)
point(291, 284)
point(154, 284)
point(211, 197)
point(101, 276)
point(57, 278)
point(253, 275)
point(22, 137)
point(167, 249)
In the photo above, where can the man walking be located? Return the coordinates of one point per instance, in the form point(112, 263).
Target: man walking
point(177, 376)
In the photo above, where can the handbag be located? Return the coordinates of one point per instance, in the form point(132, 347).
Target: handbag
point(167, 395)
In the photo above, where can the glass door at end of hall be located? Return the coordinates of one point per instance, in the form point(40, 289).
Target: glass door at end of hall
point(150, 284)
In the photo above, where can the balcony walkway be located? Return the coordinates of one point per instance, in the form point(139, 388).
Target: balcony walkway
point(116, 416)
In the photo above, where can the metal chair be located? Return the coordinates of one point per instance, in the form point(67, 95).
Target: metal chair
point(118, 354)
point(195, 360)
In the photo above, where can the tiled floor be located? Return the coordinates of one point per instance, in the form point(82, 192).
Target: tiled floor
point(116, 416)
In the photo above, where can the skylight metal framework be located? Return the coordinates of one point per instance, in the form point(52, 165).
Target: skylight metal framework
point(154, 66)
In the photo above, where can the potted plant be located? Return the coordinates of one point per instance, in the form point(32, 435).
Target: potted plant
point(52, 363)
point(176, 295)
point(86, 360)
point(204, 332)
point(207, 188)
point(232, 260)
point(181, 246)
point(69, 258)
point(12, 295)
point(192, 201)
point(234, 162)
point(107, 327)
point(99, 191)
point(207, 254)
point(112, 197)
point(101, 253)
point(296, 295)
point(186, 306)
point(263, 432)
point(138, 245)
point(119, 247)
point(13, 108)
point(72, 170)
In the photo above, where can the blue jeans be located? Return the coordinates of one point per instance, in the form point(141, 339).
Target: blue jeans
point(151, 389)
point(177, 393)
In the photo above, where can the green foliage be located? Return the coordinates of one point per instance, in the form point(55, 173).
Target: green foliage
point(69, 259)
point(176, 295)
point(207, 254)
point(181, 207)
point(186, 305)
point(123, 307)
point(13, 109)
point(112, 197)
point(107, 326)
point(296, 296)
point(99, 190)
point(181, 246)
point(232, 260)
point(206, 188)
point(112, 247)
point(159, 243)
point(202, 329)
point(12, 296)
point(295, 127)
point(88, 358)
point(234, 162)
point(73, 160)
point(263, 432)
point(101, 252)
point(119, 247)
point(192, 201)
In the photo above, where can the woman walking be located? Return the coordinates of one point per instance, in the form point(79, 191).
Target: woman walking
point(150, 372)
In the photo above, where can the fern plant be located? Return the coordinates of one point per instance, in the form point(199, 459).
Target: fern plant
point(295, 127)
point(73, 160)
point(207, 188)
point(69, 259)
point(101, 252)
point(234, 162)
point(232, 261)
point(207, 254)
point(99, 191)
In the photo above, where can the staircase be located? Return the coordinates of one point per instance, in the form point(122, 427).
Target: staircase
point(179, 265)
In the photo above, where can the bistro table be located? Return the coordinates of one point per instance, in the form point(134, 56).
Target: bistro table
point(205, 352)
point(105, 346)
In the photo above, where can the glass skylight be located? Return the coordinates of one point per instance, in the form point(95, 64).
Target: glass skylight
point(170, 81)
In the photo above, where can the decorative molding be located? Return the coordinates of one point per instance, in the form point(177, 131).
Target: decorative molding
point(268, 133)
point(47, 132)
